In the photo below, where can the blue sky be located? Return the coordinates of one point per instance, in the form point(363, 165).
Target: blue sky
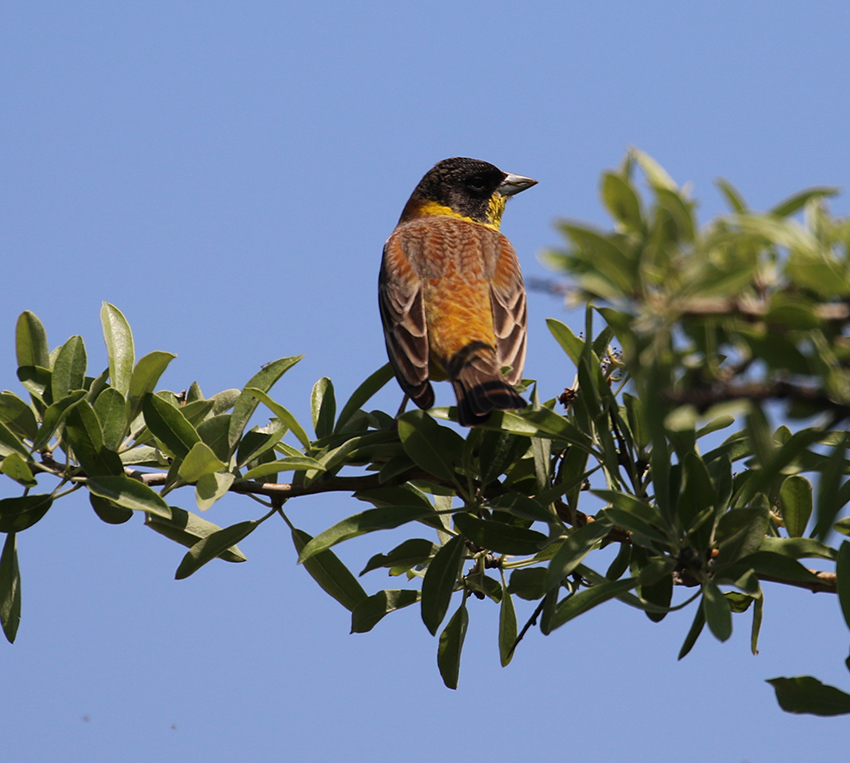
point(226, 175)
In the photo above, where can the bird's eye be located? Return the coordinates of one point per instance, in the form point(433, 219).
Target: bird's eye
point(476, 183)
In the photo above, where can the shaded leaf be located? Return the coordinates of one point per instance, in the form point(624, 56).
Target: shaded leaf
point(144, 378)
point(795, 500)
point(323, 407)
point(408, 554)
point(69, 369)
point(574, 549)
point(169, 425)
point(507, 628)
point(111, 410)
point(213, 545)
point(718, 613)
point(282, 413)
point(15, 466)
point(199, 461)
point(371, 610)
point(693, 634)
point(18, 416)
point(211, 487)
point(10, 588)
point(333, 577)
point(19, 513)
point(451, 646)
point(804, 694)
point(363, 394)
point(842, 575)
point(187, 529)
point(129, 493)
point(108, 512)
point(439, 582)
point(498, 536)
point(82, 429)
point(578, 603)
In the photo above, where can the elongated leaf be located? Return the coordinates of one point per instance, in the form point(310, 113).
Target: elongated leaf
point(842, 574)
point(539, 423)
point(807, 695)
point(256, 444)
point(795, 203)
point(169, 425)
point(54, 417)
point(439, 582)
point(499, 537)
point(129, 493)
point(795, 499)
point(119, 346)
point(291, 463)
point(741, 532)
point(578, 603)
point(573, 551)
point(622, 201)
point(323, 406)
point(363, 394)
point(570, 343)
point(776, 565)
point(282, 413)
point(364, 522)
point(451, 646)
point(144, 378)
point(693, 634)
point(655, 173)
point(734, 199)
point(10, 588)
point(111, 410)
point(371, 610)
point(828, 501)
point(211, 487)
point(507, 628)
point(798, 548)
point(718, 613)
point(247, 402)
point(213, 431)
point(333, 577)
point(187, 529)
point(213, 545)
point(69, 370)
point(31, 341)
point(433, 448)
point(18, 514)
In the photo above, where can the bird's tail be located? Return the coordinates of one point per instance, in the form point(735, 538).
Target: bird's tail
point(478, 397)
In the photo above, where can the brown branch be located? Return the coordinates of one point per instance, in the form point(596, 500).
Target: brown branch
point(825, 583)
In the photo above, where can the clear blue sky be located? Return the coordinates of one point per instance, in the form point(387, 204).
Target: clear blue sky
point(226, 174)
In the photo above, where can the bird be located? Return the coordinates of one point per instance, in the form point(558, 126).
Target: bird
point(451, 294)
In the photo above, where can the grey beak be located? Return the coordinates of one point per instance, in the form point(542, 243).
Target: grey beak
point(514, 184)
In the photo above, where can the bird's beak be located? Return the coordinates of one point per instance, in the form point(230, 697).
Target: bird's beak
point(514, 184)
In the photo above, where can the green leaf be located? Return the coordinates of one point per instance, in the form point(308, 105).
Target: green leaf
point(31, 341)
point(364, 522)
point(10, 588)
point(528, 583)
point(741, 532)
point(734, 199)
point(257, 443)
point(54, 417)
point(439, 582)
point(574, 549)
point(187, 529)
point(410, 553)
point(570, 343)
point(213, 545)
point(433, 448)
point(578, 603)
point(108, 512)
point(169, 425)
point(498, 536)
point(622, 201)
point(804, 694)
point(799, 200)
point(199, 461)
point(842, 526)
point(213, 431)
point(69, 369)
point(247, 402)
point(776, 565)
point(19, 513)
point(842, 576)
point(798, 548)
point(539, 423)
point(451, 646)
point(111, 410)
point(655, 173)
point(144, 378)
point(211, 487)
point(323, 407)
point(694, 632)
point(18, 416)
point(11, 443)
point(291, 463)
point(507, 628)
point(795, 500)
point(363, 393)
point(333, 577)
point(15, 466)
point(119, 346)
point(82, 429)
point(371, 610)
point(828, 502)
point(718, 613)
point(129, 493)
point(282, 413)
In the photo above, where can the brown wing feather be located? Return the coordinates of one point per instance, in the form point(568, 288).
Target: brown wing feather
point(510, 312)
point(403, 319)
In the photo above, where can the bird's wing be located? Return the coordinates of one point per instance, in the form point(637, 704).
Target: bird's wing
point(510, 313)
point(403, 318)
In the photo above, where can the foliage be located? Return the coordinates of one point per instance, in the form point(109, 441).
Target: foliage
point(714, 324)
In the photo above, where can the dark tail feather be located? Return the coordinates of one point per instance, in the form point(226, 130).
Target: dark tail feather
point(475, 402)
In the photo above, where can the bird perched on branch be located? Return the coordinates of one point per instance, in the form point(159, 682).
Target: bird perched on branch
point(451, 293)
